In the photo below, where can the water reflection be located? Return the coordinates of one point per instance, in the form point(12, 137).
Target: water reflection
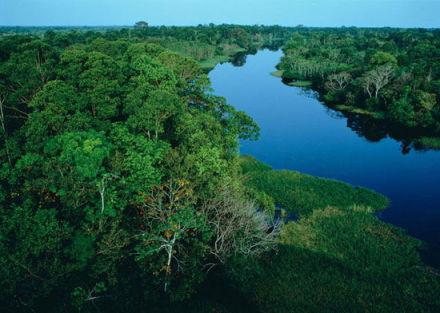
point(239, 59)
point(372, 129)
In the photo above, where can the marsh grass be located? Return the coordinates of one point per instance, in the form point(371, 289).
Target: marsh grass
point(301, 193)
point(338, 257)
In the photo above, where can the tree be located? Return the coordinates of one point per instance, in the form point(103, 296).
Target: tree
point(376, 79)
point(3, 126)
point(337, 82)
point(141, 25)
point(383, 58)
point(426, 101)
point(239, 229)
point(171, 227)
point(149, 119)
point(402, 112)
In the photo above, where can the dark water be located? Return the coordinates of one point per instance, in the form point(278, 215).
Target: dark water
point(300, 133)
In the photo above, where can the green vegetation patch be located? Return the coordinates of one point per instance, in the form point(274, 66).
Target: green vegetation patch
point(301, 83)
point(116, 163)
point(350, 109)
point(278, 73)
point(300, 193)
point(429, 143)
point(210, 63)
point(338, 257)
point(341, 261)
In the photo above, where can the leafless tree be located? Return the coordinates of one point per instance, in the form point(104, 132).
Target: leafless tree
point(367, 83)
point(239, 228)
point(102, 185)
point(338, 81)
point(376, 79)
point(3, 125)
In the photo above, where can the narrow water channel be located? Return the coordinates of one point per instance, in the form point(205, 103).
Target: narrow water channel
point(300, 133)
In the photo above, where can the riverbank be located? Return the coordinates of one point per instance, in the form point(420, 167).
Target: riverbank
point(417, 138)
point(301, 194)
point(292, 83)
point(209, 64)
point(353, 75)
point(349, 109)
point(338, 251)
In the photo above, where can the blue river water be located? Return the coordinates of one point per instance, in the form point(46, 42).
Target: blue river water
point(300, 133)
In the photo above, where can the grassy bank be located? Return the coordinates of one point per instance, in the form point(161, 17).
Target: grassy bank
point(277, 73)
point(338, 257)
point(301, 194)
point(227, 54)
point(355, 110)
point(300, 83)
point(342, 261)
point(428, 143)
point(210, 63)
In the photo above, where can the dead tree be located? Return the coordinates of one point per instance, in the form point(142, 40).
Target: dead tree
point(239, 228)
point(338, 81)
point(3, 125)
point(376, 79)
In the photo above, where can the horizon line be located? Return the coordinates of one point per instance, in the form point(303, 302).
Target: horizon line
point(230, 24)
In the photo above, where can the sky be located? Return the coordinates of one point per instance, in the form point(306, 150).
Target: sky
point(374, 13)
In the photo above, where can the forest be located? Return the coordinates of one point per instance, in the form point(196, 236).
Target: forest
point(385, 74)
point(122, 187)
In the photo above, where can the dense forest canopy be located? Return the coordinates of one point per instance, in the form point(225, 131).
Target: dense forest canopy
point(122, 188)
point(116, 161)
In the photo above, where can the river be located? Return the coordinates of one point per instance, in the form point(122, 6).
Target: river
point(300, 133)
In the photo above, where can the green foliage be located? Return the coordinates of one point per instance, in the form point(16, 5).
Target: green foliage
point(381, 58)
point(429, 142)
point(337, 257)
point(402, 112)
point(121, 185)
point(341, 261)
point(83, 152)
point(95, 129)
point(33, 261)
point(394, 73)
point(301, 194)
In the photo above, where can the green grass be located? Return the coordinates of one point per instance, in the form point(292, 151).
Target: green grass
point(346, 108)
point(278, 73)
point(301, 194)
point(429, 143)
point(341, 261)
point(300, 83)
point(228, 52)
point(209, 64)
point(338, 257)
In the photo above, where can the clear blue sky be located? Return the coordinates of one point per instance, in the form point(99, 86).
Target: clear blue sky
point(398, 13)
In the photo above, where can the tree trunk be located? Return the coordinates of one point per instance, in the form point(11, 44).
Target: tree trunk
point(2, 120)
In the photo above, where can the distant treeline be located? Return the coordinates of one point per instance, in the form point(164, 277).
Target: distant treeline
point(207, 44)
